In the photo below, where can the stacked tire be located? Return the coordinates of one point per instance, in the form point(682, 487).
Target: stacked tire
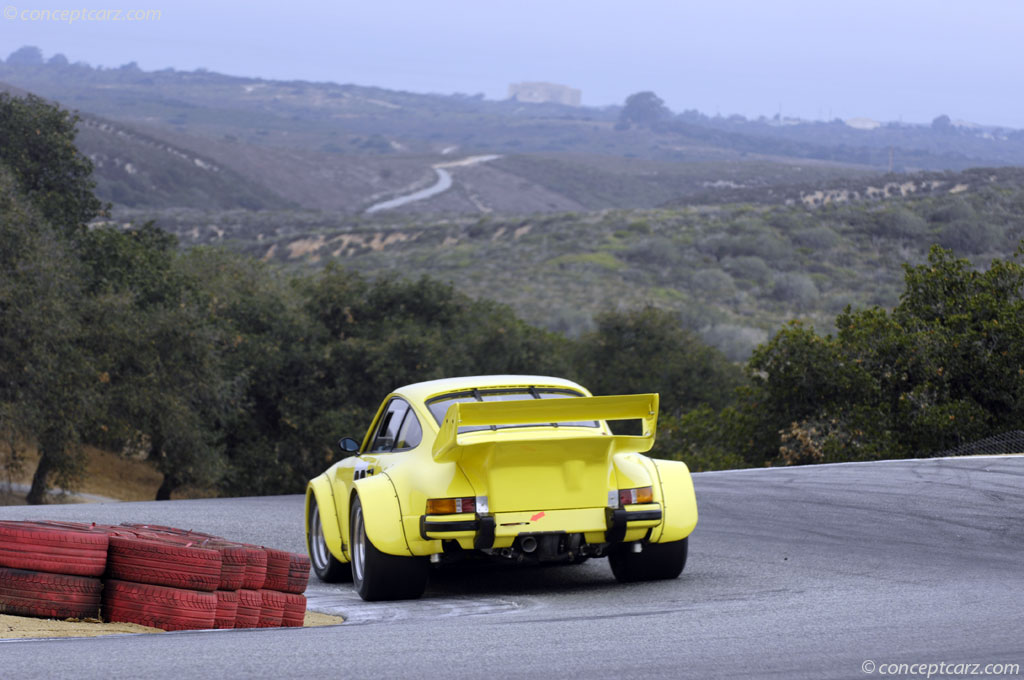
point(258, 587)
point(156, 576)
point(161, 582)
point(51, 570)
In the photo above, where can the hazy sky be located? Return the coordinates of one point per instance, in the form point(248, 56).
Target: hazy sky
point(815, 59)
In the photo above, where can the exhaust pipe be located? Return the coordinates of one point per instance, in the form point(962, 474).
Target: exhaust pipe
point(528, 544)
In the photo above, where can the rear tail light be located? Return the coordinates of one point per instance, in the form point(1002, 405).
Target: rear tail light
point(644, 494)
point(453, 506)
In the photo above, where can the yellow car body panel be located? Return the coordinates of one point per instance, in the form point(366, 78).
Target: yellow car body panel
point(382, 514)
point(319, 491)
point(536, 477)
point(679, 502)
point(542, 468)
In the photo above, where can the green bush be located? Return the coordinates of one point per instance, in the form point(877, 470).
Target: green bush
point(795, 289)
point(971, 238)
point(900, 223)
point(817, 238)
point(712, 282)
point(748, 267)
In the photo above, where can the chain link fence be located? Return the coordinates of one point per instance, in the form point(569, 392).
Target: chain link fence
point(1007, 442)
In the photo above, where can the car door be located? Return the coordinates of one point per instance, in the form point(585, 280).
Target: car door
point(397, 430)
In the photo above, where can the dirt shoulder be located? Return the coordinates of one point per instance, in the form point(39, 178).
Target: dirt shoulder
point(27, 627)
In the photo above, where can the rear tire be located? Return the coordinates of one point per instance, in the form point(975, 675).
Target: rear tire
point(325, 565)
point(658, 561)
point(380, 576)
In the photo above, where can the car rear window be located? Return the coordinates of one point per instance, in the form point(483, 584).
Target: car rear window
point(439, 405)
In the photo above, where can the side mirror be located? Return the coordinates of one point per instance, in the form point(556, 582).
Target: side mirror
point(349, 445)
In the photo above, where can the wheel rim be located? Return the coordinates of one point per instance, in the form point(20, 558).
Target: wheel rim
point(317, 543)
point(358, 544)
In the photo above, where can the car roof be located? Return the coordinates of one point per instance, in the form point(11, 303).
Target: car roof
point(420, 392)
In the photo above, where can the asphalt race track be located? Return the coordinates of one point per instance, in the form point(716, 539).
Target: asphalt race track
point(814, 572)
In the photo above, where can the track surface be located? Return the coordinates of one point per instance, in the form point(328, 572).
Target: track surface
point(793, 573)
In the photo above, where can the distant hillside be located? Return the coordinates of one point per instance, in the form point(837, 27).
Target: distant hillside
point(734, 272)
point(821, 191)
point(326, 146)
point(134, 169)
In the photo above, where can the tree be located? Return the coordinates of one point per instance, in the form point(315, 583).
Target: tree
point(160, 351)
point(48, 384)
point(26, 56)
point(648, 350)
point(277, 428)
point(944, 368)
point(37, 144)
point(644, 109)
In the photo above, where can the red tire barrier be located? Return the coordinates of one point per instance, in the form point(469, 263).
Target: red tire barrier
point(59, 596)
point(278, 563)
point(232, 555)
point(234, 559)
point(162, 563)
point(60, 524)
point(294, 610)
point(250, 604)
point(172, 531)
point(271, 608)
point(52, 549)
point(255, 568)
point(158, 606)
point(298, 573)
point(227, 609)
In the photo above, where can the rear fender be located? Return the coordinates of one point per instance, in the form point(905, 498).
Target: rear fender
point(382, 515)
point(678, 501)
point(319, 491)
point(633, 470)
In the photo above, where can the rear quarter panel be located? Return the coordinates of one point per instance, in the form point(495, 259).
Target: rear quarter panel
point(678, 501)
point(382, 514)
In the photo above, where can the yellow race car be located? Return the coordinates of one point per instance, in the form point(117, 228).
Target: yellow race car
point(515, 468)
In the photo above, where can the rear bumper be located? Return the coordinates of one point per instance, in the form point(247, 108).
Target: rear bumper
point(611, 524)
point(480, 529)
point(621, 520)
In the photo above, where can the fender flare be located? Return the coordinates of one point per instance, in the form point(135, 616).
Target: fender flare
point(382, 514)
point(678, 501)
point(319, 491)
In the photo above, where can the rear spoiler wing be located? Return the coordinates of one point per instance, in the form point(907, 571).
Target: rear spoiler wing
point(450, 445)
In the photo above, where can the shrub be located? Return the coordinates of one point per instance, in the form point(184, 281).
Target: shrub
point(795, 289)
point(954, 210)
point(713, 281)
point(748, 267)
point(702, 438)
point(735, 342)
point(818, 238)
point(969, 237)
point(899, 223)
